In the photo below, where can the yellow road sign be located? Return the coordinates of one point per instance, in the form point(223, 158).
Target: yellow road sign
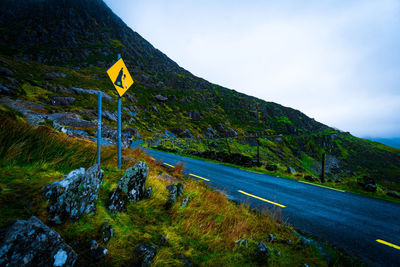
point(120, 77)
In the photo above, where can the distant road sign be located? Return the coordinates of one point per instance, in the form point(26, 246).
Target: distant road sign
point(120, 77)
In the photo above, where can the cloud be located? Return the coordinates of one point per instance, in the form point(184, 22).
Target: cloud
point(337, 61)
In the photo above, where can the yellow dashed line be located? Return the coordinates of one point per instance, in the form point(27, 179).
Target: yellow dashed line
point(388, 244)
point(323, 186)
point(199, 177)
point(277, 204)
point(169, 165)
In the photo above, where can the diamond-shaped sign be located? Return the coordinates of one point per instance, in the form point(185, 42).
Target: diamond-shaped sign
point(120, 77)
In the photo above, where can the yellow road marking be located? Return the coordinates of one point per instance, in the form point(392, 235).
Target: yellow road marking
point(388, 244)
point(169, 165)
point(277, 204)
point(323, 186)
point(199, 177)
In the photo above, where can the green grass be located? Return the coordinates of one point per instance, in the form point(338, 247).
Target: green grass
point(204, 231)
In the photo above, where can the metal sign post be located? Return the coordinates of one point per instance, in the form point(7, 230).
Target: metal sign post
point(99, 129)
point(122, 80)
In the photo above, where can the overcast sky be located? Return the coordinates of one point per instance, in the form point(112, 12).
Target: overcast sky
point(336, 61)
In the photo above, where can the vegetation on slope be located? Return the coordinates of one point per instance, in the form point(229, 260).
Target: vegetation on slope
point(204, 232)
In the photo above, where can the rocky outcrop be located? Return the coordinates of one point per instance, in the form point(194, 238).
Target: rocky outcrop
point(262, 251)
point(96, 252)
point(106, 232)
point(32, 243)
point(6, 72)
point(75, 195)
point(160, 98)
point(62, 101)
point(130, 188)
point(185, 201)
point(175, 190)
point(367, 183)
point(145, 254)
point(54, 75)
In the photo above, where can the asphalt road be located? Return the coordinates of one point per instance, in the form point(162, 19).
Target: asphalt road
point(347, 220)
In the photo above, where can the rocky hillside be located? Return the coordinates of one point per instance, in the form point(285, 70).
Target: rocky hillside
point(53, 61)
point(85, 36)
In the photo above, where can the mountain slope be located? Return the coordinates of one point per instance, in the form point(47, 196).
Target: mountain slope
point(82, 33)
point(54, 56)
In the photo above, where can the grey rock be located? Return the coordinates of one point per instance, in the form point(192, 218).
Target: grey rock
point(71, 119)
point(291, 170)
point(262, 251)
point(106, 231)
point(184, 202)
point(132, 132)
point(32, 243)
point(160, 98)
point(6, 72)
point(271, 238)
point(175, 190)
point(59, 89)
point(147, 193)
point(96, 252)
point(182, 258)
point(110, 116)
point(75, 195)
point(130, 187)
point(62, 101)
point(241, 242)
point(81, 91)
point(145, 254)
point(54, 75)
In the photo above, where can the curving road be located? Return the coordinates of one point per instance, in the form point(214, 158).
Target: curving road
point(365, 227)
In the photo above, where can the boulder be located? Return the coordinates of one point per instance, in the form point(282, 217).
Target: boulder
point(291, 170)
point(111, 116)
point(130, 187)
point(241, 242)
point(96, 252)
point(132, 132)
point(145, 254)
point(62, 101)
point(184, 202)
point(160, 98)
point(271, 167)
point(175, 190)
point(6, 72)
point(262, 251)
point(80, 91)
point(271, 238)
point(32, 243)
point(75, 195)
point(59, 89)
point(54, 75)
point(106, 232)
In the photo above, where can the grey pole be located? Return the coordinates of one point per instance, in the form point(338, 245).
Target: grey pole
point(99, 128)
point(119, 127)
